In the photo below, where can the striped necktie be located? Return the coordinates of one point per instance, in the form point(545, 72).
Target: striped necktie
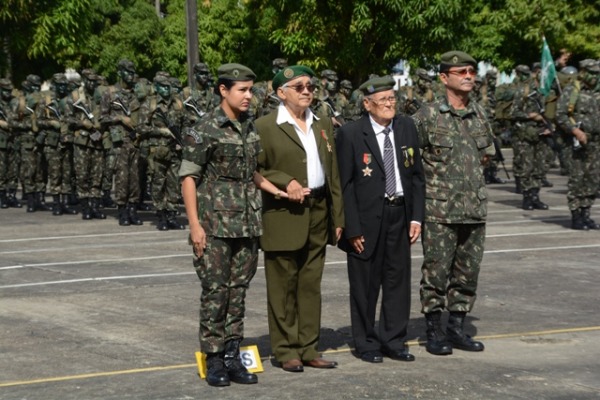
point(388, 162)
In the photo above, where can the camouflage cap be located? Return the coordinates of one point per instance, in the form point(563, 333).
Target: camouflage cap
point(200, 67)
point(423, 74)
point(456, 58)
point(589, 65)
point(491, 73)
point(162, 73)
point(175, 82)
point(34, 80)
point(536, 66)
point(280, 63)
point(329, 74)
point(87, 72)
point(235, 72)
point(289, 73)
point(6, 84)
point(59, 78)
point(376, 85)
point(478, 79)
point(162, 80)
point(346, 84)
point(126, 65)
point(523, 69)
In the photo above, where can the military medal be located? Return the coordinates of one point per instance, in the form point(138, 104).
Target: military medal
point(405, 154)
point(324, 136)
point(367, 160)
point(411, 153)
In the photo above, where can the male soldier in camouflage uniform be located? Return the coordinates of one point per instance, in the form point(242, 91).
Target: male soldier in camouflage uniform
point(564, 140)
point(328, 94)
point(82, 115)
point(411, 98)
point(58, 143)
point(530, 125)
point(225, 222)
point(118, 105)
point(265, 100)
point(578, 113)
point(161, 120)
point(7, 152)
point(547, 142)
point(456, 140)
point(143, 90)
point(349, 112)
point(32, 158)
point(488, 101)
point(199, 98)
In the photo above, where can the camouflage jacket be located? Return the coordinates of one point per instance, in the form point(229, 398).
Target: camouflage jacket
point(453, 145)
point(117, 107)
point(50, 115)
point(198, 102)
point(578, 105)
point(78, 111)
point(161, 120)
point(527, 100)
point(222, 154)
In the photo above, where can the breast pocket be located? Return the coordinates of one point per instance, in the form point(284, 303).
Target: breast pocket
point(230, 160)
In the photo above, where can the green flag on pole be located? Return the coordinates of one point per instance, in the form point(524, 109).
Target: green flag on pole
point(548, 73)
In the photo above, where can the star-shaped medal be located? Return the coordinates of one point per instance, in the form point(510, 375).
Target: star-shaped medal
point(367, 171)
point(328, 147)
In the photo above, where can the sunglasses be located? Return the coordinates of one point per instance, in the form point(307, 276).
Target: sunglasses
point(464, 72)
point(300, 87)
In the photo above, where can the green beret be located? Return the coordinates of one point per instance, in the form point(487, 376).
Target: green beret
point(59, 78)
point(289, 73)
point(6, 84)
point(235, 72)
point(590, 65)
point(377, 85)
point(161, 80)
point(456, 58)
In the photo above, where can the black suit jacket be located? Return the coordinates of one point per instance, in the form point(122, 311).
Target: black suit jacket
point(362, 177)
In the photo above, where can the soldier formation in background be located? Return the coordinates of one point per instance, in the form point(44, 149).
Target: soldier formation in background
point(83, 139)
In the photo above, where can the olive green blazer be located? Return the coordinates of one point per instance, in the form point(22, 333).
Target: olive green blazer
point(283, 158)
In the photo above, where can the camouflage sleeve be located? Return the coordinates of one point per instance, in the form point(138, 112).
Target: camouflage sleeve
point(562, 110)
point(420, 123)
point(517, 110)
point(195, 154)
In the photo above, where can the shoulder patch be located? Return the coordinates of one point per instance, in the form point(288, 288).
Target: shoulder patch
point(196, 136)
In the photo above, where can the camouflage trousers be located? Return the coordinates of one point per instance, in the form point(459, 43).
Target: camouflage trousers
point(9, 168)
point(127, 177)
point(108, 169)
point(88, 162)
point(225, 271)
point(564, 143)
point(60, 168)
point(165, 179)
point(584, 177)
point(32, 170)
point(451, 263)
point(528, 163)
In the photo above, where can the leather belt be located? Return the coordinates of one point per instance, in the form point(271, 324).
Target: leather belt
point(395, 201)
point(318, 193)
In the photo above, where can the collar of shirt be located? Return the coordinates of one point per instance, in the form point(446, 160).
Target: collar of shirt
point(283, 115)
point(379, 128)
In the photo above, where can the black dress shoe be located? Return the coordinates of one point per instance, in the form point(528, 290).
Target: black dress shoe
point(399, 355)
point(373, 356)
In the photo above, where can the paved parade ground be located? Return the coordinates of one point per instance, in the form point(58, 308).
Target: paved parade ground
point(92, 310)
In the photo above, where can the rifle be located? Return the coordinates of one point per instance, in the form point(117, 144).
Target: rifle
point(191, 103)
point(3, 116)
point(500, 156)
point(96, 135)
point(173, 130)
point(547, 124)
point(55, 110)
point(119, 103)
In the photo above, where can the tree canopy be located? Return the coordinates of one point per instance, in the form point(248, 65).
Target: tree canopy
point(353, 37)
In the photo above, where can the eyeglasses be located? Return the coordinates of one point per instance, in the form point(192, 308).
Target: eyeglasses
point(464, 72)
point(300, 87)
point(383, 100)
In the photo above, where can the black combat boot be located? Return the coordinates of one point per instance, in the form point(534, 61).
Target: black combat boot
point(456, 335)
point(3, 200)
point(141, 206)
point(585, 215)
point(518, 187)
point(65, 205)
point(147, 195)
point(216, 373)
point(123, 215)
point(40, 202)
point(86, 209)
point(577, 222)
point(56, 206)
point(527, 200)
point(236, 370)
point(172, 222)
point(95, 208)
point(107, 201)
point(436, 340)
point(546, 183)
point(535, 200)
point(12, 199)
point(163, 224)
point(30, 202)
point(133, 216)
point(72, 199)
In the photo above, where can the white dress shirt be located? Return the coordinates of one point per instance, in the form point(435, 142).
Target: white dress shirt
point(379, 135)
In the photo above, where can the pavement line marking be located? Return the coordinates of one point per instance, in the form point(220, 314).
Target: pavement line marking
point(194, 365)
point(81, 236)
point(95, 246)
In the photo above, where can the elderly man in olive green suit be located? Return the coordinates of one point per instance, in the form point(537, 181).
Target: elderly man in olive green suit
point(298, 153)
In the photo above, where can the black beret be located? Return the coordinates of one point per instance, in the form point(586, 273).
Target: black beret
point(456, 58)
point(289, 73)
point(235, 72)
point(378, 84)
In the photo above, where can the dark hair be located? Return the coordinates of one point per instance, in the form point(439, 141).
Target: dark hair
point(228, 83)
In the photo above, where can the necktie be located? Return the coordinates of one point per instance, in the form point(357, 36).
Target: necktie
point(388, 162)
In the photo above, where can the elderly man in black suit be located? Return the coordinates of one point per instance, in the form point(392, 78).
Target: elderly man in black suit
point(383, 188)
